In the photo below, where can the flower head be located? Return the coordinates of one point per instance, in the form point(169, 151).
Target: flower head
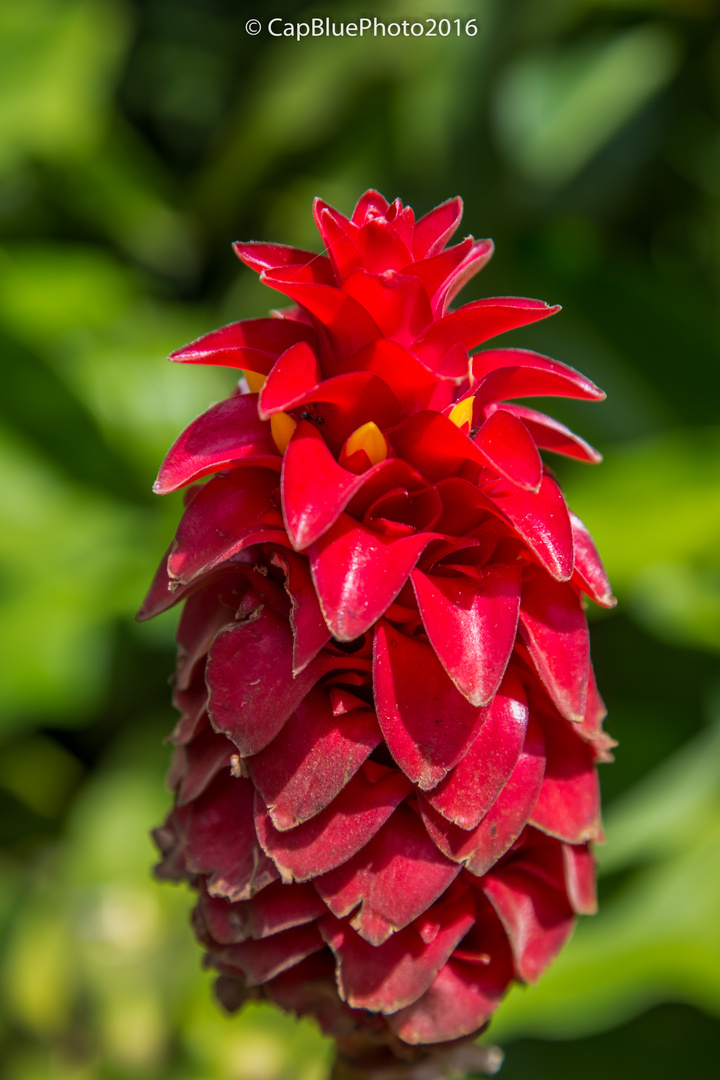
point(385, 764)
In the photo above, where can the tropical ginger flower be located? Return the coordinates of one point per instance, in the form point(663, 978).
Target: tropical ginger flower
point(385, 760)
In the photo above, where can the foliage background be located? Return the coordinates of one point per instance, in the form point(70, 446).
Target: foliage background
point(137, 139)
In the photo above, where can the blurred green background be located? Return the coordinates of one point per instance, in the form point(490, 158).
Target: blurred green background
point(138, 138)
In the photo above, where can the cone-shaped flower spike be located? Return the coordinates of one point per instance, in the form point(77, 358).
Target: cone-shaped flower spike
point(385, 760)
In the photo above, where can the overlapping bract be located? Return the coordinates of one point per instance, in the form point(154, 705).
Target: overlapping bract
point(385, 764)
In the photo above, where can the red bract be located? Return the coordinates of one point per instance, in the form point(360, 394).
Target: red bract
point(385, 764)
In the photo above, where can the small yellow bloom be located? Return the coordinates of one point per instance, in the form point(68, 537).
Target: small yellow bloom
point(462, 413)
point(255, 381)
point(282, 427)
point(367, 437)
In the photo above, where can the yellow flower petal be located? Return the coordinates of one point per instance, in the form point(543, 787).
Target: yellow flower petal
point(282, 427)
point(255, 381)
point(462, 413)
point(367, 437)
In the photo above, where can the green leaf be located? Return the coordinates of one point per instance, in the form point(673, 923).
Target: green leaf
point(58, 61)
point(70, 563)
point(556, 110)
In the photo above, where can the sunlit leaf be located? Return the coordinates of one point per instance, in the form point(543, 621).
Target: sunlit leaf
point(557, 109)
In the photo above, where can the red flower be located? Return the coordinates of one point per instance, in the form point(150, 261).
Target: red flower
point(385, 764)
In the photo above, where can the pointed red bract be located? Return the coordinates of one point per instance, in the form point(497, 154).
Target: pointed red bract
point(196, 771)
point(279, 907)
point(542, 521)
point(529, 896)
point(466, 794)
point(249, 674)
point(229, 514)
point(309, 629)
point(254, 344)
point(508, 448)
point(479, 253)
point(306, 766)
point(549, 434)
point(477, 322)
point(227, 435)
point(479, 848)
point(336, 833)
point(471, 623)
point(568, 804)
point(393, 880)
point(466, 991)
point(397, 972)
point(259, 257)
point(589, 570)
point(434, 230)
point(500, 374)
point(555, 631)
point(295, 373)
point(579, 866)
point(232, 860)
point(428, 725)
point(377, 569)
point(260, 961)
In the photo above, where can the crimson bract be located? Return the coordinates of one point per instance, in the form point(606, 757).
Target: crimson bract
point(385, 766)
